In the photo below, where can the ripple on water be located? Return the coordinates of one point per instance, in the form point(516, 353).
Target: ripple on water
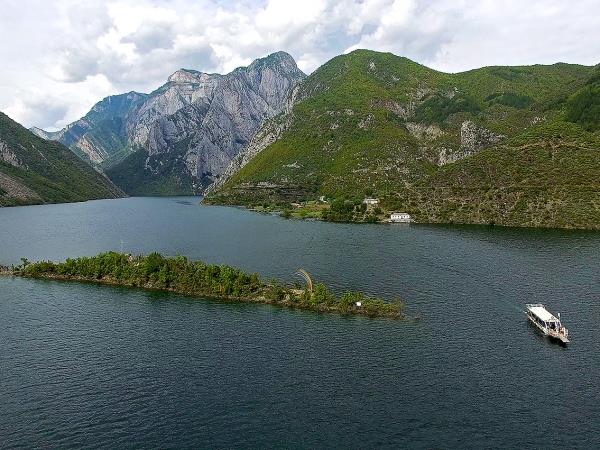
point(101, 367)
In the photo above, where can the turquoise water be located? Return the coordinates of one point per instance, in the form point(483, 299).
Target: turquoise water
point(101, 367)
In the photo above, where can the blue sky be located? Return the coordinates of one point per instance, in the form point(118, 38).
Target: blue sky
point(59, 57)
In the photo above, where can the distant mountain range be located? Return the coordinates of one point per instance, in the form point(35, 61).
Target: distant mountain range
point(505, 145)
point(34, 170)
point(179, 138)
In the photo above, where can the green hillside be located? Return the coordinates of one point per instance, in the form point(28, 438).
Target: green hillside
point(33, 170)
point(131, 175)
point(505, 145)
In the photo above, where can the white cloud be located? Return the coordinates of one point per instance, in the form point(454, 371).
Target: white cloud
point(56, 107)
point(60, 57)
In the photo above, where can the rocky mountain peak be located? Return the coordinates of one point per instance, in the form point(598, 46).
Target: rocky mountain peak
point(277, 59)
point(187, 76)
point(41, 133)
point(189, 128)
point(206, 134)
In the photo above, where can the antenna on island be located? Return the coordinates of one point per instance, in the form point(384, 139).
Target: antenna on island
point(121, 245)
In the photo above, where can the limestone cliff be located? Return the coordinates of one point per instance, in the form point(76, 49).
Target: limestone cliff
point(185, 133)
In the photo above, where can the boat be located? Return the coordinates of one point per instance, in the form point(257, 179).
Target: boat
point(547, 323)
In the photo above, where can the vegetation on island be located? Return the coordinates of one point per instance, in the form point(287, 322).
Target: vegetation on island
point(33, 170)
point(514, 146)
point(196, 278)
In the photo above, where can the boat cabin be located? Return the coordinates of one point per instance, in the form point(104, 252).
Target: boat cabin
point(547, 322)
point(543, 316)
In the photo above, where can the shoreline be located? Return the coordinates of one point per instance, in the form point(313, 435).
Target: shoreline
point(198, 280)
point(224, 299)
point(279, 212)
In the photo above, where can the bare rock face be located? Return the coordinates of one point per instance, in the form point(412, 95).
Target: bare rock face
point(48, 135)
point(404, 111)
point(16, 189)
point(216, 126)
point(473, 138)
point(102, 132)
point(183, 88)
point(424, 131)
point(270, 131)
point(8, 156)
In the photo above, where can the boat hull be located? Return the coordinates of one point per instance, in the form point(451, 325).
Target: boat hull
point(546, 332)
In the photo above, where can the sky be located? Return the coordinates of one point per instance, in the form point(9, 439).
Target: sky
point(59, 57)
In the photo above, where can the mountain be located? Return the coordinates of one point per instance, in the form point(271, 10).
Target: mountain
point(35, 170)
point(505, 145)
point(101, 136)
point(180, 137)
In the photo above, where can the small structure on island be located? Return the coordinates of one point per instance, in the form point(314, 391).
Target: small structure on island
point(359, 304)
point(400, 217)
point(304, 274)
point(371, 201)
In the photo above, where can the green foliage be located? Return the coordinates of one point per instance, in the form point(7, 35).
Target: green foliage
point(47, 171)
point(199, 279)
point(341, 210)
point(509, 73)
point(322, 295)
point(510, 99)
point(131, 175)
point(155, 271)
point(374, 122)
point(547, 177)
point(584, 107)
point(438, 107)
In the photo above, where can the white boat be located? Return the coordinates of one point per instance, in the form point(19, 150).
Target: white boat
point(547, 323)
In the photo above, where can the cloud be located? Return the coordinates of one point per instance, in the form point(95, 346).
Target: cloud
point(415, 30)
point(52, 109)
point(152, 36)
point(45, 111)
point(71, 53)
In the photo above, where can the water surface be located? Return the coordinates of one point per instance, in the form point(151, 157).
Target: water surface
point(100, 367)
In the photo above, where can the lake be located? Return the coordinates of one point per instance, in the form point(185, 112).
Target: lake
point(93, 366)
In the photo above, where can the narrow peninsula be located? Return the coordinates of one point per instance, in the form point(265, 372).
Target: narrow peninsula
point(198, 279)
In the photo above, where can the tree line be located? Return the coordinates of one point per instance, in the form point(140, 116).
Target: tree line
point(181, 275)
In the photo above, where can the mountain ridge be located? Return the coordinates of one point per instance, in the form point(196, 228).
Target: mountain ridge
point(180, 137)
point(370, 123)
point(34, 170)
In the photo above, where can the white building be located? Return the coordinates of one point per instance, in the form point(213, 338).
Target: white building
point(371, 201)
point(399, 217)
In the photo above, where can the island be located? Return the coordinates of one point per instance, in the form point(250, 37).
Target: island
point(198, 279)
